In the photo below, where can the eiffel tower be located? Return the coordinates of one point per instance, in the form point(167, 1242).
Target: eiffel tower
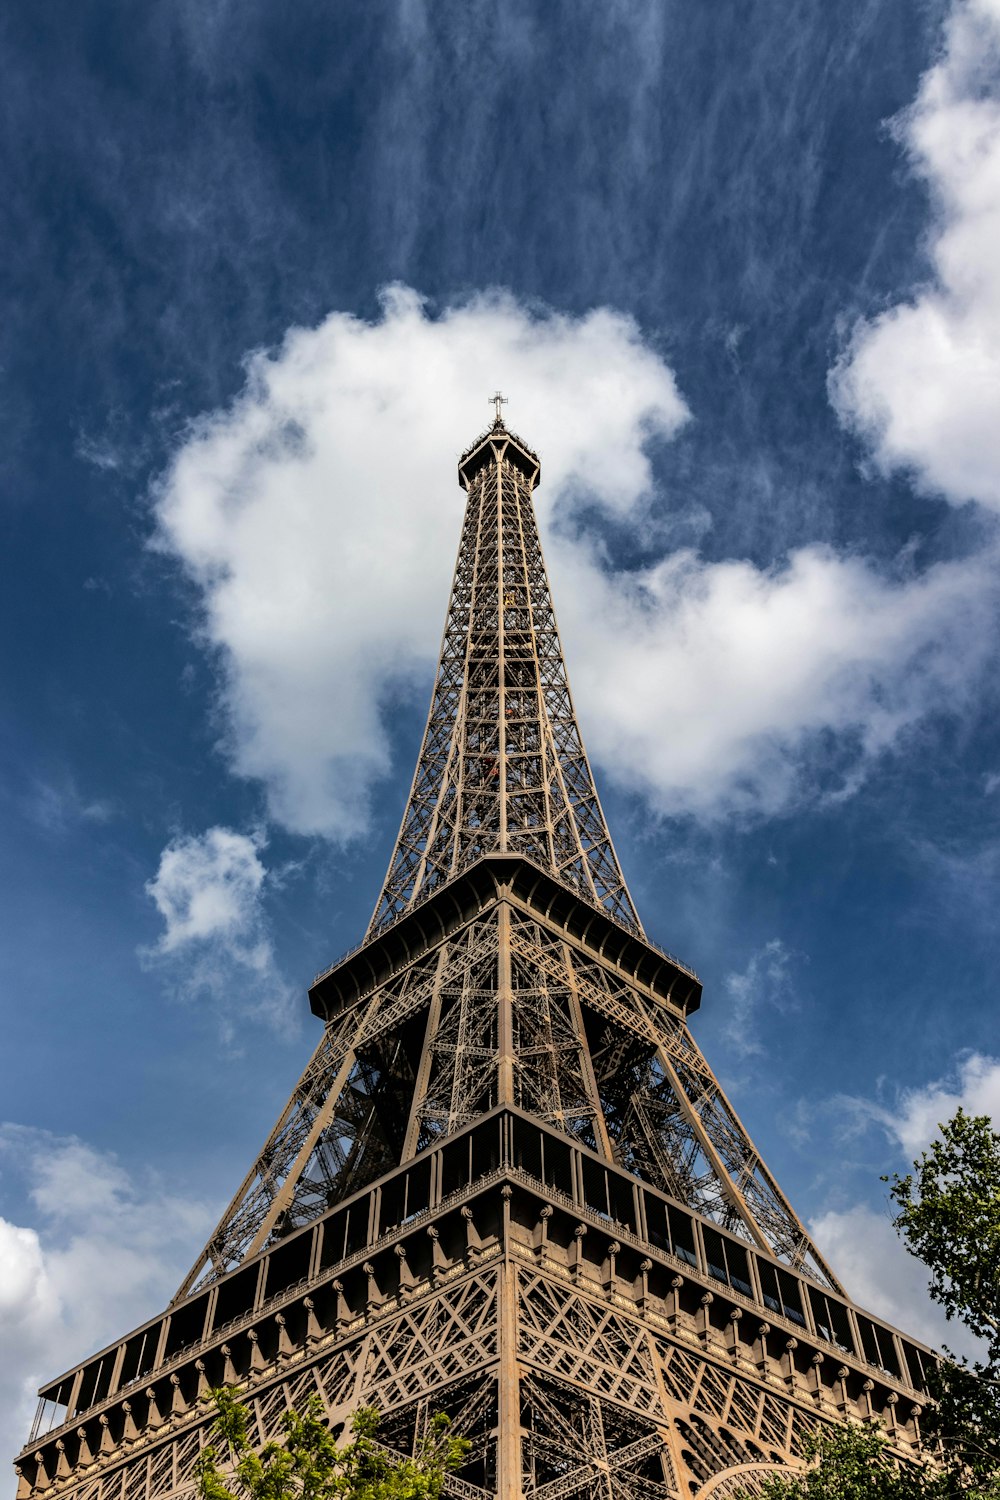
point(508, 1185)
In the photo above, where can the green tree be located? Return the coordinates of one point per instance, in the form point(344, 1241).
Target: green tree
point(853, 1463)
point(310, 1465)
point(949, 1217)
point(948, 1214)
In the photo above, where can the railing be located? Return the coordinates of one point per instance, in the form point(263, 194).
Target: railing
point(582, 1211)
point(269, 1306)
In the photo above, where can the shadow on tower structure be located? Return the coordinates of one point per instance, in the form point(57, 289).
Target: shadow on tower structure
point(508, 1185)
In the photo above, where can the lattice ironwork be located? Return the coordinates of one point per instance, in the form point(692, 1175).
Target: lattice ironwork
point(665, 1111)
point(337, 1130)
point(578, 1445)
point(508, 1012)
point(502, 767)
point(499, 1037)
point(557, 1367)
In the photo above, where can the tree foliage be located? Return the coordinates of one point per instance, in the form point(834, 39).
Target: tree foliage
point(949, 1217)
point(948, 1214)
point(853, 1463)
point(310, 1465)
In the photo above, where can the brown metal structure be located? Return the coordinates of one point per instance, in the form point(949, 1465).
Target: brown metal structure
point(508, 1184)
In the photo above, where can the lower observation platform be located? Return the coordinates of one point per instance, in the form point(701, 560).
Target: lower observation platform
point(467, 1273)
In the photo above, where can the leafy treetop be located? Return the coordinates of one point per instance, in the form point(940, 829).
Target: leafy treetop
point(853, 1463)
point(948, 1215)
point(310, 1465)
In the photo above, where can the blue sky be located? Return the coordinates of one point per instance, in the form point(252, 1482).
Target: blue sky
point(734, 268)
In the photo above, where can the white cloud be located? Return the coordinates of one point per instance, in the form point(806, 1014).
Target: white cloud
point(209, 891)
point(320, 514)
point(104, 1253)
point(922, 380)
point(208, 887)
point(914, 1117)
point(319, 518)
point(868, 1258)
point(860, 1243)
point(721, 688)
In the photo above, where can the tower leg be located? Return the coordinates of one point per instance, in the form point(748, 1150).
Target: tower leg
point(509, 1392)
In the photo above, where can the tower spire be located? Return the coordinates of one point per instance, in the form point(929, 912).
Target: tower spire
point(502, 767)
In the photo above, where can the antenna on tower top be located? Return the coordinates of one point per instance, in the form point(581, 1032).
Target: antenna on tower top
point(498, 401)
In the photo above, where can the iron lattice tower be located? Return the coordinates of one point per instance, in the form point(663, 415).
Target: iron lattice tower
point(508, 1185)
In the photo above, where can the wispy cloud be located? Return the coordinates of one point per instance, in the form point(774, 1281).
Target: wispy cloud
point(966, 873)
point(102, 452)
point(102, 1252)
point(766, 982)
point(911, 1117)
point(215, 947)
point(57, 805)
